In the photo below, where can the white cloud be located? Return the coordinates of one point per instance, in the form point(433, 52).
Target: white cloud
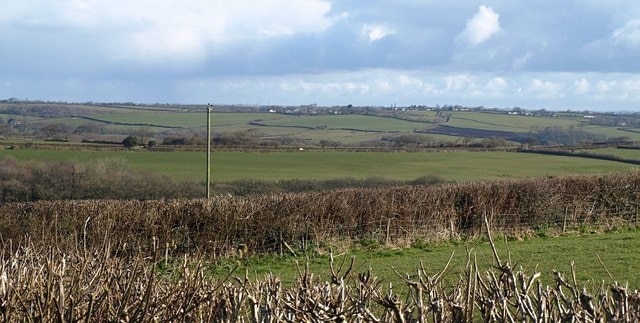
point(603, 87)
point(630, 89)
point(496, 86)
point(315, 88)
point(408, 81)
point(629, 35)
point(546, 89)
point(482, 26)
point(460, 82)
point(582, 86)
point(376, 32)
point(150, 29)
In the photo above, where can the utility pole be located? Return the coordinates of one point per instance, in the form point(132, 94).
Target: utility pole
point(208, 150)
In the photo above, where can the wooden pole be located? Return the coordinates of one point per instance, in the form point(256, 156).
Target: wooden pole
point(208, 150)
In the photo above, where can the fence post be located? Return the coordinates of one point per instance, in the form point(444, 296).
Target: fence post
point(388, 229)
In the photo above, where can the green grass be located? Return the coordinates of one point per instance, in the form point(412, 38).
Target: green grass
point(624, 153)
point(505, 122)
point(612, 132)
point(273, 166)
point(360, 122)
point(619, 252)
point(187, 119)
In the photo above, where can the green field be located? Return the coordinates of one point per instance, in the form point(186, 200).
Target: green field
point(624, 153)
point(618, 252)
point(612, 132)
point(359, 122)
point(186, 119)
point(455, 166)
point(505, 122)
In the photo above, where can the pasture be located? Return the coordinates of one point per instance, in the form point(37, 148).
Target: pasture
point(458, 166)
point(598, 258)
point(504, 122)
point(624, 153)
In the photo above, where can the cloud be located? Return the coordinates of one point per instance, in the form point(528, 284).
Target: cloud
point(154, 30)
point(376, 32)
point(629, 35)
point(460, 82)
point(546, 89)
point(582, 86)
point(603, 87)
point(477, 52)
point(496, 86)
point(630, 89)
point(482, 26)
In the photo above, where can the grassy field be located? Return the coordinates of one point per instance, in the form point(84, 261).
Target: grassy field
point(612, 132)
point(618, 252)
point(504, 122)
point(624, 153)
point(273, 166)
point(187, 119)
point(360, 122)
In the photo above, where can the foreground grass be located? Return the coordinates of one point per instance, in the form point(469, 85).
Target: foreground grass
point(321, 165)
point(598, 258)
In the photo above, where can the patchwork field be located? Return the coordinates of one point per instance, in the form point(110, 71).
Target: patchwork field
point(339, 125)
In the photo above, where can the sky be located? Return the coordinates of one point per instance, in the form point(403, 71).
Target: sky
point(533, 54)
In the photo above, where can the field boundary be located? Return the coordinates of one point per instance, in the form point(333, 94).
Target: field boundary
point(581, 154)
point(270, 223)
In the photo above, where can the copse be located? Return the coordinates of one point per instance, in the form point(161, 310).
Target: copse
point(131, 142)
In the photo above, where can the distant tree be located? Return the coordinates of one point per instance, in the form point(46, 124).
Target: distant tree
point(466, 141)
point(174, 141)
point(619, 139)
point(408, 140)
point(144, 134)
point(132, 141)
point(329, 143)
point(89, 128)
point(493, 142)
point(54, 130)
point(567, 137)
point(237, 138)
